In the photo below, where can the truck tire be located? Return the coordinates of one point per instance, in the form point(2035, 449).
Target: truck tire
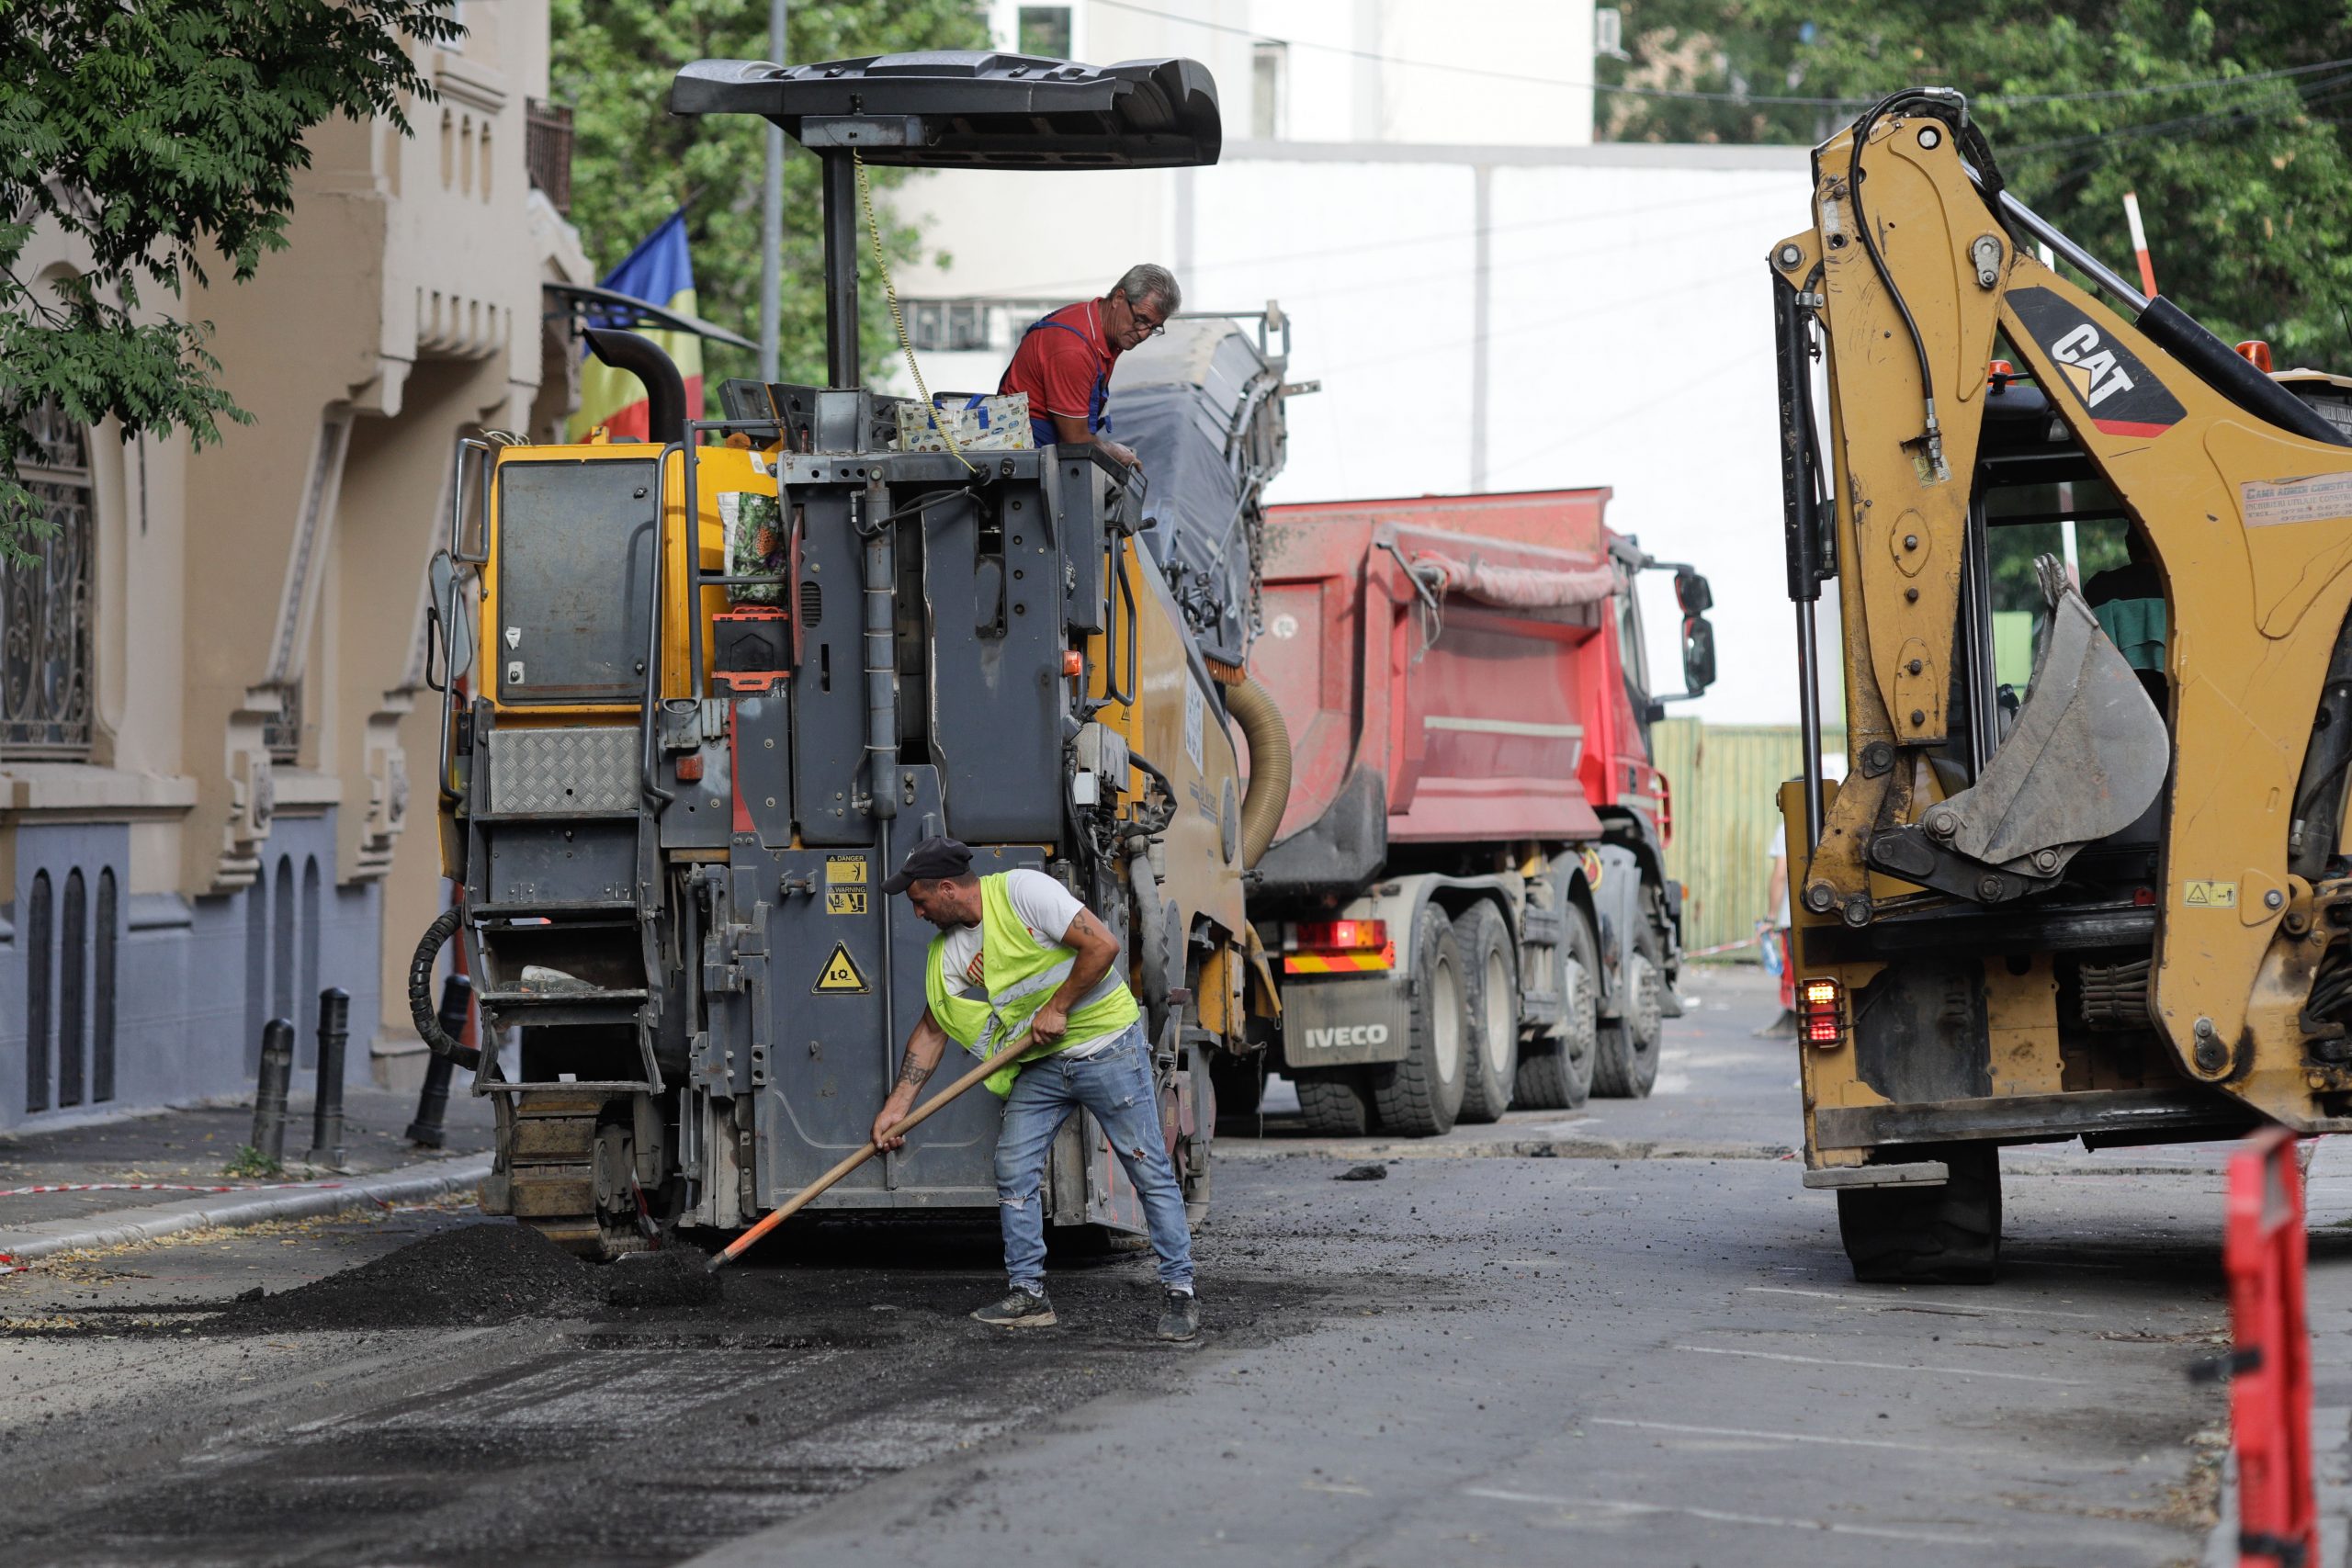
point(1624, 1059)
point(1557, 1074)
point(1335, 1102)
point(1490, 968)
point(1947, 1236)
point(1421, 1096)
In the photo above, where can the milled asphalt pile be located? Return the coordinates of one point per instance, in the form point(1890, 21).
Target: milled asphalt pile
point(469, 1277)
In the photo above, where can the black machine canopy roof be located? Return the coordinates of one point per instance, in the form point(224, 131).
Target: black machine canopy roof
point(974, 109)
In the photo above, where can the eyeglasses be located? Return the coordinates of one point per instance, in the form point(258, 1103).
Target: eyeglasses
point(1151, 328)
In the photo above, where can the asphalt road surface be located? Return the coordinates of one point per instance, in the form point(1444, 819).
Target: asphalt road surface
point(1489, 1359)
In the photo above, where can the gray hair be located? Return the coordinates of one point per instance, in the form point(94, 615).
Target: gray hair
point(1146, 283)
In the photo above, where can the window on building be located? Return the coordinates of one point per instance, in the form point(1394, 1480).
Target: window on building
point(45, 609)
point(1269, 64)
point(1044, 30)
point(948, 326)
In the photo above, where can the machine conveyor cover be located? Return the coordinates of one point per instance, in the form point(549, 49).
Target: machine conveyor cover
point(1202, 408)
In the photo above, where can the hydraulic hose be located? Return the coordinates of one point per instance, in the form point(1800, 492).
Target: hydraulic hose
point(420, 993)
point(1269, 793)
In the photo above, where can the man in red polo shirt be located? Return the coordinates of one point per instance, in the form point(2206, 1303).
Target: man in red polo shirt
point(1064, 361)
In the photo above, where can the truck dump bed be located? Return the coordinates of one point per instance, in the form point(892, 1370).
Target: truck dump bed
point(1468, 698)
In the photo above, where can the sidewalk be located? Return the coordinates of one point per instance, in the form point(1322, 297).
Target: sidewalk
point(191, 1147)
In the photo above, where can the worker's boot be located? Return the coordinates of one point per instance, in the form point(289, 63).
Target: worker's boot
point(1181, 1319)
point(1020, 1309)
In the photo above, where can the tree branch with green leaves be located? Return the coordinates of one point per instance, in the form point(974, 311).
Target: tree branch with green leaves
point(161, 140)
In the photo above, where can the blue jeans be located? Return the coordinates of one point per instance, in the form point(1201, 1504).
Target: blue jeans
point(1115, 1084)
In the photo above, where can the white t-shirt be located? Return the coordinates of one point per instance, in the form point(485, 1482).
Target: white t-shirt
point(1044, 906)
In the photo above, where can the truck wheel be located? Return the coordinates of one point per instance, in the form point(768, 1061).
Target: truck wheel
point(1491, 965)
point(1241, 1085)
point(1421, 1096)
point(1624, 1063)
point(1557, 1074)
point(1949, 1234)
point(1335, 1103)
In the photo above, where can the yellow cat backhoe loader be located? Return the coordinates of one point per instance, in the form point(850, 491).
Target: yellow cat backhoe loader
point(2086, 876)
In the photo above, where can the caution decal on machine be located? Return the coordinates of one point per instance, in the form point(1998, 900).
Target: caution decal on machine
point(845, 900)
point(840, 973)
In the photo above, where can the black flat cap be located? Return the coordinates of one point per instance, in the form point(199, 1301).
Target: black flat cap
point(929, 861)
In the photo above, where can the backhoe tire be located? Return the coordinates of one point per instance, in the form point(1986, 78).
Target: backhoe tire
point(1624, 1061)
point(1946, 1236)
point(1556, 1073)
point(1421, 1096)
point(1335, 1102)
point(1490, 969)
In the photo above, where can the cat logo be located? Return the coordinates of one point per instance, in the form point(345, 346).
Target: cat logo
point(841, 974)
point(2119, 393)
point(2093, 370)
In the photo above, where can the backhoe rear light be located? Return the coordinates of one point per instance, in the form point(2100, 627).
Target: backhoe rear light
point(1334, 947)
point(1821, 1011)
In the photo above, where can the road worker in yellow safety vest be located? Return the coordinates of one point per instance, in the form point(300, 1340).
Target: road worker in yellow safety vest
point(1016, 951)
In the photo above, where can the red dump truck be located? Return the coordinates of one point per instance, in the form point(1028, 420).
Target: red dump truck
point(1467, 897)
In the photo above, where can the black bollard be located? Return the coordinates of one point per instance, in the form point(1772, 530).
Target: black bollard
point(326, 1116)
point(270, 1097)
point(428, 1130)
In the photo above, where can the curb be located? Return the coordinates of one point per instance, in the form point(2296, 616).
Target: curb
point(431, 1178)
point(1495, 1149)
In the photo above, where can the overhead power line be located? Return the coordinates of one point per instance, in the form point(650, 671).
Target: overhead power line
point(1695, 96)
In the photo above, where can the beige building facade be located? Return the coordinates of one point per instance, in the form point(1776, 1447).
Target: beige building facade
point(216, 740)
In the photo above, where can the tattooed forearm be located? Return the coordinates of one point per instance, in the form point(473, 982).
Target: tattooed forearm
point(912, 1073)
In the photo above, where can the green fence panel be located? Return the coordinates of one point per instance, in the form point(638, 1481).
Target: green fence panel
point(1725, 780)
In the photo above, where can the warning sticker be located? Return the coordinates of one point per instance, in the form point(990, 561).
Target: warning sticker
point(2212, 896)
point(2269, 503)
point(845, 901)
point(840, 973)
point(845, 870)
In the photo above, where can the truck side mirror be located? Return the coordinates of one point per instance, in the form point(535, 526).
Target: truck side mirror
point(1698, 650)
point(1690, 591)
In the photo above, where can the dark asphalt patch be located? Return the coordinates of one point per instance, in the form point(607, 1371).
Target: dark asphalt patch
point(469, 1277)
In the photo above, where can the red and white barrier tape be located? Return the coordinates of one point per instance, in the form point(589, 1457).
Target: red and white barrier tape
point(156, 1187)
point(1687, 952)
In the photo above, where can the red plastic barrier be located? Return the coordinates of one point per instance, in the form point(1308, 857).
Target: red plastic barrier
point(2270, 1388)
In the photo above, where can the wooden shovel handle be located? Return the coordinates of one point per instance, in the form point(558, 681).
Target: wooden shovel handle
point(808, 1194)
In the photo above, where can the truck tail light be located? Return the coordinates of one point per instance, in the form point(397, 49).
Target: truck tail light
point(1821, 1011)
point(1334, 947)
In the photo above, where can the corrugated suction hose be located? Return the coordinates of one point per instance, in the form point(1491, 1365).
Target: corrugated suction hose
point(1261, 724)
point(420, 994)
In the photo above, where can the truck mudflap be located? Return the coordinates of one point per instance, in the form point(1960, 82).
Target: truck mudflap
point(1347, 1022)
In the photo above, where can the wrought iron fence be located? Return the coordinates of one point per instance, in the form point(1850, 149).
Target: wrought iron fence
point(547, 150)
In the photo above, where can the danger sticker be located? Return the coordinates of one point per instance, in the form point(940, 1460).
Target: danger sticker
point(840, 973)
point(845, 901)
point(845, 870)
point(2212, 896)
point(2267, 503)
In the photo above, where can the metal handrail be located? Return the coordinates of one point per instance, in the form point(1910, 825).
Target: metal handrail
point(650, 703)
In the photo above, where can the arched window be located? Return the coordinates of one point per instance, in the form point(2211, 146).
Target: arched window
point(39, 957)
point(102, 991)
point(73, 987)
point(45, 601)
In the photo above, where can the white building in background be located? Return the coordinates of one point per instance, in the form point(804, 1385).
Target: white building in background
point(1491, 300)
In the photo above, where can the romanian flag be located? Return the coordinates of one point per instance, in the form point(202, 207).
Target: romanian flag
point(660, 273)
